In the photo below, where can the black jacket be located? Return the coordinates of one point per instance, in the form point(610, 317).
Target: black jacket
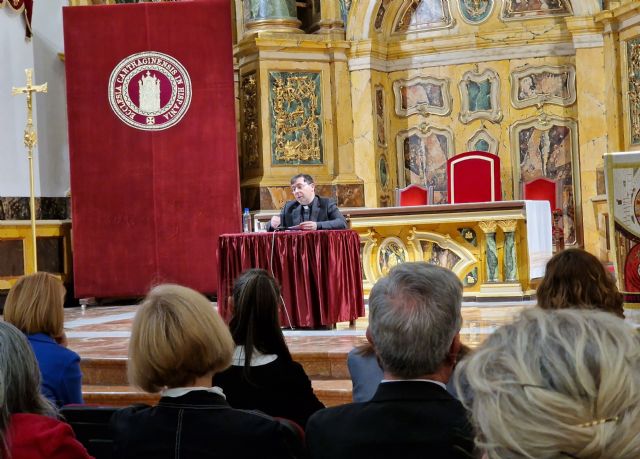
point(323, 211)
point(199, 425)
point(405, 419)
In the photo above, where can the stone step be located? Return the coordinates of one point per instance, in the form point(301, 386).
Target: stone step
point(112, 371)
point(331, 392)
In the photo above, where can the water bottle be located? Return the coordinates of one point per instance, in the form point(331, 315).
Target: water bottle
point(246, 221)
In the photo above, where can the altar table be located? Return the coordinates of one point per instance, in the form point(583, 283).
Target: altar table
point(319, 272)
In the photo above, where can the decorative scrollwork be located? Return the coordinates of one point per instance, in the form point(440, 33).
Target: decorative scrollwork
point(633, 59)
point(250, 123)
point(296, 123)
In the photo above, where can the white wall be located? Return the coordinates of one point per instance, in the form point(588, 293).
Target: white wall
point(16, 54)
point(50, 112)
point(53, 157)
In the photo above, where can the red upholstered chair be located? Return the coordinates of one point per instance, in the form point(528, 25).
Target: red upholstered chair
point(544, 189)
point(412, 195)
point(473, 176)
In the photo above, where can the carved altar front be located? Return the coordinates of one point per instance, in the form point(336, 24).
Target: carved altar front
point(485, 244)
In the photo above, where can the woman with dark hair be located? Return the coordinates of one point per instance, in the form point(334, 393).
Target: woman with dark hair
point(28, 424)
point(576, 279)
point(263, 375)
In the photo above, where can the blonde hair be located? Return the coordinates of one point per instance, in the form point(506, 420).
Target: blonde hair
point(35, 304)
point(556, 384)
point(176, 337)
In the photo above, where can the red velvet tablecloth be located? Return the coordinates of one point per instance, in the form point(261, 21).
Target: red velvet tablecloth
point(319, 272)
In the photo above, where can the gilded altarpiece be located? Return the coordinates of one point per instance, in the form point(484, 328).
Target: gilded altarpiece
point(422, 159)
point(546, 146)
point(295, 106)
point(632, 101)
point(250, 125)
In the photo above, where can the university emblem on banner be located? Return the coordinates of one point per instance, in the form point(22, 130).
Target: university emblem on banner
point(149, 91)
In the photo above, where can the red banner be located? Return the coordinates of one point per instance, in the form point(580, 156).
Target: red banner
point(152, 144)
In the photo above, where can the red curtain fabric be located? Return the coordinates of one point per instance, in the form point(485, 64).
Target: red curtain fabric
point(148, 206)
point(319, 272)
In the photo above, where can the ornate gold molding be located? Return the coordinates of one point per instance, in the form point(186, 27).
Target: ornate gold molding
point(508, 226)
point(488, 227)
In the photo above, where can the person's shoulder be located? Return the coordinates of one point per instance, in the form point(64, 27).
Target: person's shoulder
point(326, 201)
point(332, 414)
point(50, 436)
point(129, 414)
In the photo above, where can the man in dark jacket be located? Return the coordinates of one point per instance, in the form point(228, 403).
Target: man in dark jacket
point(414, 325)
point(308, 211)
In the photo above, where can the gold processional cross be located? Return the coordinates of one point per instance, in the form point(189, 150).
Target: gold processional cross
point(30, 140)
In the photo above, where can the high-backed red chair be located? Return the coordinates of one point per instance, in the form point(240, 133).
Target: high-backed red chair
point(473, 176)
point(544, 189)
point(412, 195)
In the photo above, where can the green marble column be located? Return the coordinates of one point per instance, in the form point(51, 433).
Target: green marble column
point(270, 15)
point(510, 257)
point(491, 251)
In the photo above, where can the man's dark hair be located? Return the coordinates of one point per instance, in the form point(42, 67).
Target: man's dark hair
point(307, 178)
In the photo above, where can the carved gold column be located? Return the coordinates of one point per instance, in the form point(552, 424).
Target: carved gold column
point(510, 262)
point(490, 250)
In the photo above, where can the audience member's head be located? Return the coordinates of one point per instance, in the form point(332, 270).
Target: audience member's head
point(556, 384)
point(256, 315)
point(176, 338)
point(35, 304)
point(414, 319)
point(576, 279)
point(19, 380)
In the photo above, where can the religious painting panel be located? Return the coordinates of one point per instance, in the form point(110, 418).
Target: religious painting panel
point(422, 95)
point(249, 123)
point(480, 94)
point(483, 141)
point(632, 99)
point(392, 252)
point(542, 85)
point(381, 121)
point(439, 249)
point(435, 254)
point(345, 6)
point(422, 159)
point(622, 172)
point(380, 14)
point(295, 108)
point(535, 9)
point(423, 15)
point(547, 146)
point(475, 11)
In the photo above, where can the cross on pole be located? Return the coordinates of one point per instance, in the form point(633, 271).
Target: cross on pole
point(30, 141)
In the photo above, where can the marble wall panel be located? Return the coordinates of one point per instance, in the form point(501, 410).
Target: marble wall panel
point(47, 208)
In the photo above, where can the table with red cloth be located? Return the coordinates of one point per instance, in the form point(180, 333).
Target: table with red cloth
point(319, 272)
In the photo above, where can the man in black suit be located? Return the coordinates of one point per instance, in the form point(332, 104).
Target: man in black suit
point(308, 211)
point(414, 325)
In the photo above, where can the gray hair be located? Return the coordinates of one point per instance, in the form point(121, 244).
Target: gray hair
point(556, 384)
point(414, 315)
point(19, 380)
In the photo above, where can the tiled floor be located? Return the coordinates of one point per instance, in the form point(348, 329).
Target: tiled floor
point(103, 332)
